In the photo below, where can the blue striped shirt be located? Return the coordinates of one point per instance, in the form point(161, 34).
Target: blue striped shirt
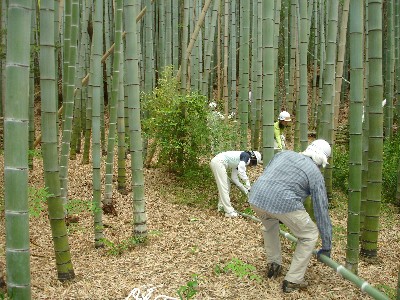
point(287, 180)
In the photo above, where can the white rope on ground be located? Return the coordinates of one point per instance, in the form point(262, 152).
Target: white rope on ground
point(137, 294)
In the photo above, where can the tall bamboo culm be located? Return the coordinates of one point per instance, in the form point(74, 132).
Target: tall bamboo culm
point(133, 93)
point(369, 238)
point(16, 122)
point(355, 119)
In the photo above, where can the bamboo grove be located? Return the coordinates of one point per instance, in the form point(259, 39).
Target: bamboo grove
point(85, 60)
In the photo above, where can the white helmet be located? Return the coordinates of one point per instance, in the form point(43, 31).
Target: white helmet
point(323, 146)
point(284, 116)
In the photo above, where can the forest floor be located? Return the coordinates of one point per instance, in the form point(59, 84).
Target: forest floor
point(186, 241)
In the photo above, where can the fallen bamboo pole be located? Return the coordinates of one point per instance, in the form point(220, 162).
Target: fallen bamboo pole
point(340, 269)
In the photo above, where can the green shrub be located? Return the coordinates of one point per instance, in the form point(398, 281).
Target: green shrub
point(177, 123)
point(340, 168)
point(391, 159)
point(182, 130)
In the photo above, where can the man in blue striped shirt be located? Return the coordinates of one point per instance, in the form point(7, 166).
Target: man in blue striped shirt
point(279, 194)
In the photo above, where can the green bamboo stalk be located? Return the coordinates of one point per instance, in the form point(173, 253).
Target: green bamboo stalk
point(133, 90)
point(389, 65)
point(209, 47)
point(31, 111)
point(356, 27)
point(121, 131)
point(315, 99)
point(258, 90)
point(340, 61)
point(185, 36)
point(48, 85)
point(244, 66)
point(161, 45)
point(16, 150)
point(286, 51)
point(96, 69)
point(117, 70)
point(326, 123)
point(364, 178)
point(292, 61)
point(370, 233)
point(233, 59)
point(397, 57)
point(168, 32)
point(268, 13)
point(277, 97)
point(69, 100)
point(303, 99)
point(254, 74)
point(148, 46)
point(226, 59)
point(175, 33)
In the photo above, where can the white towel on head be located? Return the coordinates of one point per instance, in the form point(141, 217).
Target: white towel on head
point(316, 155)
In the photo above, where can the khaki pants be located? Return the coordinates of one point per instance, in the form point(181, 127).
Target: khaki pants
point(302, 227)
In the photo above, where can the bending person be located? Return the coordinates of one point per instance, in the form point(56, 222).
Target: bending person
point(237, 162)
point(279, 194)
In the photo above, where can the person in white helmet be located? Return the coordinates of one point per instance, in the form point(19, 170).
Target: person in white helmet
point(237, 162)
point(279, 126)
point(278, 196)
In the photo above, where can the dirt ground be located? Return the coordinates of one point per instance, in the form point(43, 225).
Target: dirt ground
point(184, 242)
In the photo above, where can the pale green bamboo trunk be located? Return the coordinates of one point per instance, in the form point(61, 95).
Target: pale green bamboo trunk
point(397, 57)
point(176, 7)
point(277, 96)
point(328, 96)
point(121, 131)
point(168, 33)
point(68, 105)
point(369, 238)
point(316, 65)
point(48, 87)
point(389, 65)
point(133, 90)
point(268, 13)
point(184, 44)
point(233, 59)
point(226, 59)
point(340, 61)
point(161, 44)
point(96, 71)
point(257, 91)
point(303, 97)
point(209, 47)
point(115, 86)
point(254, 74)
point(364, 178)
point(356, 27)
point(31, 111)
point(244, 67)
point(286, 15)
point(16, 150)
point(148, 46)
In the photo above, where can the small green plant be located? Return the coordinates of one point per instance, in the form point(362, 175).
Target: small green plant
point(239, 268)
point(35, 153)
point(37, 198)
point(387, 290)
point(116, 249)
point(77, 206)
point(189, 290)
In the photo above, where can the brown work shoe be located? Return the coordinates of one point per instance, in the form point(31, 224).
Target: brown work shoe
point(289, 287)
point(274, 270)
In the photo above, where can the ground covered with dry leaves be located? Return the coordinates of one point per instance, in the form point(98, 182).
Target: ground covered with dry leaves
point(183, 242)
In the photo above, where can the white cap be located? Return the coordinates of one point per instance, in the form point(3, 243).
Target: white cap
point(284, 116)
